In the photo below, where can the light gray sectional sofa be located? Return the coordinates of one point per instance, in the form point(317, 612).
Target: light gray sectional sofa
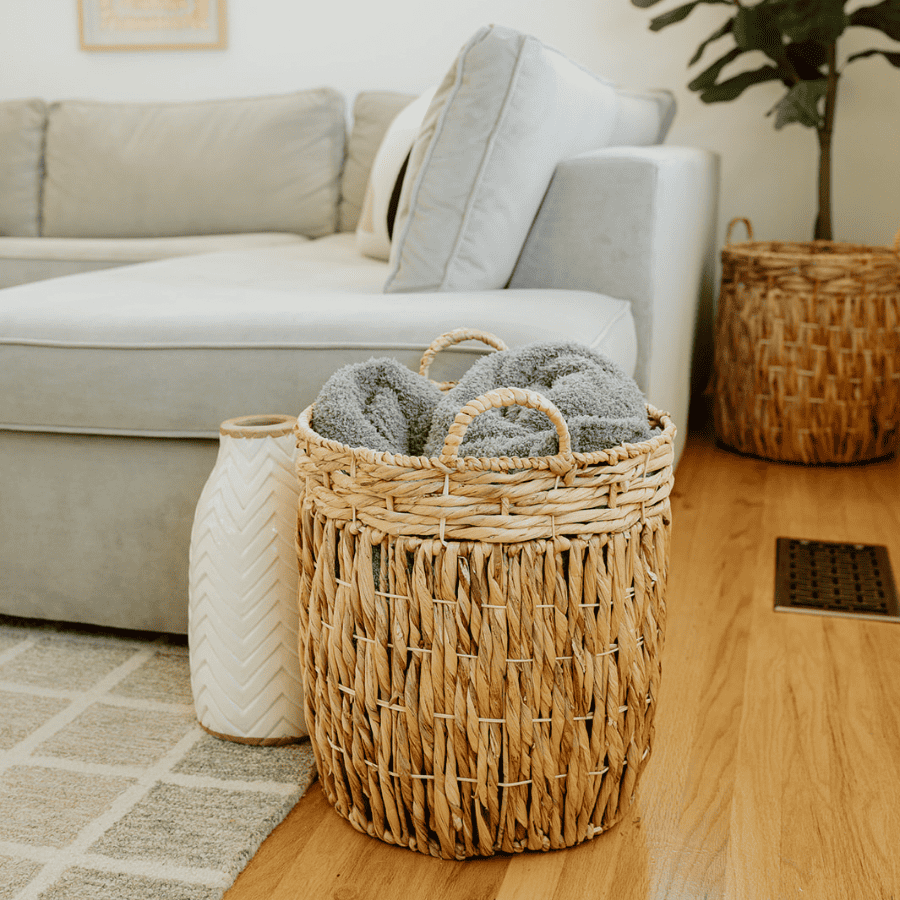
point(169, 266)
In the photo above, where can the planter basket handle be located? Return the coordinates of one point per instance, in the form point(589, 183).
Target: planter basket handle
point(749, 227)
point(734, 222)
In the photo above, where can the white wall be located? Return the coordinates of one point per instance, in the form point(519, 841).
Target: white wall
point(281, 45)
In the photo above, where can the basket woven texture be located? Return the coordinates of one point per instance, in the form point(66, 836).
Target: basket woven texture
point(482, 637)
point(807, 350)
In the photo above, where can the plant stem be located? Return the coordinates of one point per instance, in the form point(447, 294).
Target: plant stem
point(823, 219)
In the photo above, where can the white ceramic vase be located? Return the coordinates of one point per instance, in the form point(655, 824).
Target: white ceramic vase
point(243, 616)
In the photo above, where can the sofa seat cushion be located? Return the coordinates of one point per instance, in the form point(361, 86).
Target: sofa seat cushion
point(203, 167)
point(23, 260)
point(173, 348)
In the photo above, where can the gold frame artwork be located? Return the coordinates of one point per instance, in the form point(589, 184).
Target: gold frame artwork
point(152, 24)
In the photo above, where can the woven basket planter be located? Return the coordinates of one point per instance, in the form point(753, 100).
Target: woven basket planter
point(481, 638)
point(807, 352)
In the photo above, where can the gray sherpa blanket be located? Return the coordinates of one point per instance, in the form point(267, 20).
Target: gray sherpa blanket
point(379, 404)
point(601, 404)
point(382, 405)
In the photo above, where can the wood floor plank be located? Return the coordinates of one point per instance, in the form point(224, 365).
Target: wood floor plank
point(334, 860)
point(775, 771)
point(866, 780)
point(860, 772)
point(614, 864)
point(535, 876)
point(794, 829)
point(686, 802)
point(880, 647)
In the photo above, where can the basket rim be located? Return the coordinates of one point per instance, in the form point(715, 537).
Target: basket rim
point(821, 250)
point(611, 455)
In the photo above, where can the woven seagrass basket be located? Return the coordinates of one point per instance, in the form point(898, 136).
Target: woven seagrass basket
point(481, 638)
point(807, 350)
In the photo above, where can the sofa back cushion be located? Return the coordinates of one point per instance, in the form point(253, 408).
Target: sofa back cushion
point(22, 125)
point(507, 112)
point(373, 112)
point(376, 222)
point(213, 167)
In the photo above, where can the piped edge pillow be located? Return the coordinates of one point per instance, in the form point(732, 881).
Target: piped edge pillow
point(508, 111)
point(374, 231)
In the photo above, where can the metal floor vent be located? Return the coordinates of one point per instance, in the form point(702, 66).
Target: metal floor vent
point(835, 579)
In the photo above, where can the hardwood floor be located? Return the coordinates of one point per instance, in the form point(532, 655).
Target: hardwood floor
point(776, 765)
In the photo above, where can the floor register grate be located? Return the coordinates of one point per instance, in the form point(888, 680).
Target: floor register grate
point(835, 579)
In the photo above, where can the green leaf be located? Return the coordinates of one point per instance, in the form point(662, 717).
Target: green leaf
point(673, 16)
point(679, 13)
point(718, 33)
point(756, 28)
point(801, 104)
point(822, 21)
point(884, 16)
point(807, 58)
point(892, 58)
point(736, 86)
point(646, 4)
point(707, 78)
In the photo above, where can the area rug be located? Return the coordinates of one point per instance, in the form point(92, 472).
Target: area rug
point(109, 789)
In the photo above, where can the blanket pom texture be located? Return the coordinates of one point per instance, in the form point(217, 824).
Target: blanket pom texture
point(383, 405)
point(601, 404)
point(379, 404)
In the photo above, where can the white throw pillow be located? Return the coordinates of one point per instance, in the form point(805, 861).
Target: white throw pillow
point(373, 233)
point(644, 118)
point(508, 111)
point(373, 112)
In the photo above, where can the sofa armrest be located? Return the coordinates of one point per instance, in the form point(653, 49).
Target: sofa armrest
point(637, 223)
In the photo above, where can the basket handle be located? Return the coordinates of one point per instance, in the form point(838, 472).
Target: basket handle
point(734, 222)
point(501, 397)
point(457, 336)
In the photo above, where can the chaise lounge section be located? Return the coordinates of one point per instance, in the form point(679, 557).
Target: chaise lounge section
point(114, 381)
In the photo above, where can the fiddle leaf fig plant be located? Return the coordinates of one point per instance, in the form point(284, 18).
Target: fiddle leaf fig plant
point(798, 39)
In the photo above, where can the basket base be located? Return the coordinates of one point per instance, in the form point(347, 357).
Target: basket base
point(433, 847)
point(722, 444)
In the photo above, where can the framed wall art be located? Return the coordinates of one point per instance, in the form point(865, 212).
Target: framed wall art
point(152, 24)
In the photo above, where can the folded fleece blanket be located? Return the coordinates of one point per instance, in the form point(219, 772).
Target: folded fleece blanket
point(379, 404)
point(383, 405)
point(601, 404)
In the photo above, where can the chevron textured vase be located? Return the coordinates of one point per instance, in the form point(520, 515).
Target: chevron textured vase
point(243, 616)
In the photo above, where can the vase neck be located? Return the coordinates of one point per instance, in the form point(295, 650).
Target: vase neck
point(258, 426)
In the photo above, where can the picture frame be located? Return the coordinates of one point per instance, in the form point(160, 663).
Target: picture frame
point(106, 25)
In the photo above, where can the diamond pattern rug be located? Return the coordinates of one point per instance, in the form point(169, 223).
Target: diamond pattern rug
point(109, 788)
